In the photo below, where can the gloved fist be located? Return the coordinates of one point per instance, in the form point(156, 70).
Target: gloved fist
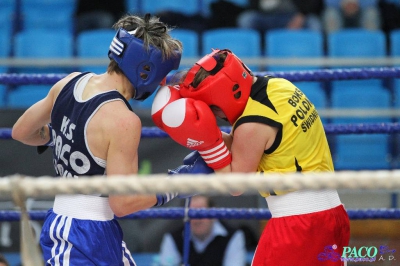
point(191, 158)
point(196, 165)
point(192, 124)
point(163, 198)
point(164, 96)
point(42, 148)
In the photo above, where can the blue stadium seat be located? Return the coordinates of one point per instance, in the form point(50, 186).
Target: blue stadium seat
point(48, 14)
point(85, 48)
point(132, 6)
point(3, 95)
point(190, 42)
point(395, 51)
point(285, 43)
point(183, 6)
point(25, 96)
point(367, 97)
point(356, 43)
point(38, 44)
point(361, 151)
point(13, 258)
point(5, 44)
point(5, 48)
point(7, 17)
point(242, 42)
point(359, 43)
point(146, 258)
point(43, 44)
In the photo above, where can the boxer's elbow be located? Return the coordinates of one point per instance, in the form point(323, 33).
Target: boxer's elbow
point(17, 133)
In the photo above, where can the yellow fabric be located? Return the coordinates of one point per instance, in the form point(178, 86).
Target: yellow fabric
point(301, 144)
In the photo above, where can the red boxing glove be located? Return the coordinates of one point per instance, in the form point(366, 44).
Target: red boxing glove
point(164, 96)
point(192, 124)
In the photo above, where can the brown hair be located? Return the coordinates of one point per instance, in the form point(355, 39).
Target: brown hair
point(152, 31)
point(202, 73)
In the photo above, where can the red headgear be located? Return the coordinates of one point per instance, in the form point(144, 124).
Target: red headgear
point(227, 87)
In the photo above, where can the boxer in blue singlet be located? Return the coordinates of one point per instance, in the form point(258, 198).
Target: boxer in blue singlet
point(87, 120)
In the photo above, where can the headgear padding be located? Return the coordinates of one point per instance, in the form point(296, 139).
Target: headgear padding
point(227, 87)
point(145, 68)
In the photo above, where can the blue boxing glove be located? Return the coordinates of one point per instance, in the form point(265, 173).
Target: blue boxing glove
point(164, 198)
point(191, 158)
point(193, 164)
point(41, 149)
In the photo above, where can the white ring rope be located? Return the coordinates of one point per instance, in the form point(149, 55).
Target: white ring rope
point(38, 187)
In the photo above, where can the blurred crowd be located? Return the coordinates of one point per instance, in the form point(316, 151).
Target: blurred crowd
point(326, 15)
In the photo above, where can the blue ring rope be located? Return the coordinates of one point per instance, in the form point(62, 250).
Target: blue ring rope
point(217, 213)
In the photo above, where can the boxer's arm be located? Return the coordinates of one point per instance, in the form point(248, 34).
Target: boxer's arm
point(123, 132)
point(248, 145)
point(31, 128)
point(42, 148)
point(228, 138)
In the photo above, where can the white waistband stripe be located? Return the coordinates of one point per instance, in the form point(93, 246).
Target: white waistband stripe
point(303, 202)
point(84, 207)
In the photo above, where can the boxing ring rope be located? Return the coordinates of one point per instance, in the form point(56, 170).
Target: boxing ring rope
point(44, 186)
point(293, 76)
point(174, 213)
point(19, 188)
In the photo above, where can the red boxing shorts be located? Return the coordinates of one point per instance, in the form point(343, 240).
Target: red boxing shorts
point(315, 238)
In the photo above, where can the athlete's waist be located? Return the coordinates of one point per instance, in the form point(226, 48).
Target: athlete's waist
point(84, 207)
point(303, 202)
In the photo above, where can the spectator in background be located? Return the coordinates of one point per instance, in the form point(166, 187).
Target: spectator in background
point(212, 243)
point(196, 22)
point(266, 15)
point(97, 14)
point(222, 14)
point(3, 261)
point(340, 14)
point(390, 14)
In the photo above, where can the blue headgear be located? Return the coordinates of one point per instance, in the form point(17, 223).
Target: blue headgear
point(145, 68)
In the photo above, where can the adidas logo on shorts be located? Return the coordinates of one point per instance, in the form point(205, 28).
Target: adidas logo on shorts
point(193, 143)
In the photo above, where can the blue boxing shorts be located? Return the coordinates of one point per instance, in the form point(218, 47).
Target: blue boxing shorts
point(81, 230)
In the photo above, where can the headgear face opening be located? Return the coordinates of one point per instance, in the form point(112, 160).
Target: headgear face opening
point(227, 87)
point(144, 68)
